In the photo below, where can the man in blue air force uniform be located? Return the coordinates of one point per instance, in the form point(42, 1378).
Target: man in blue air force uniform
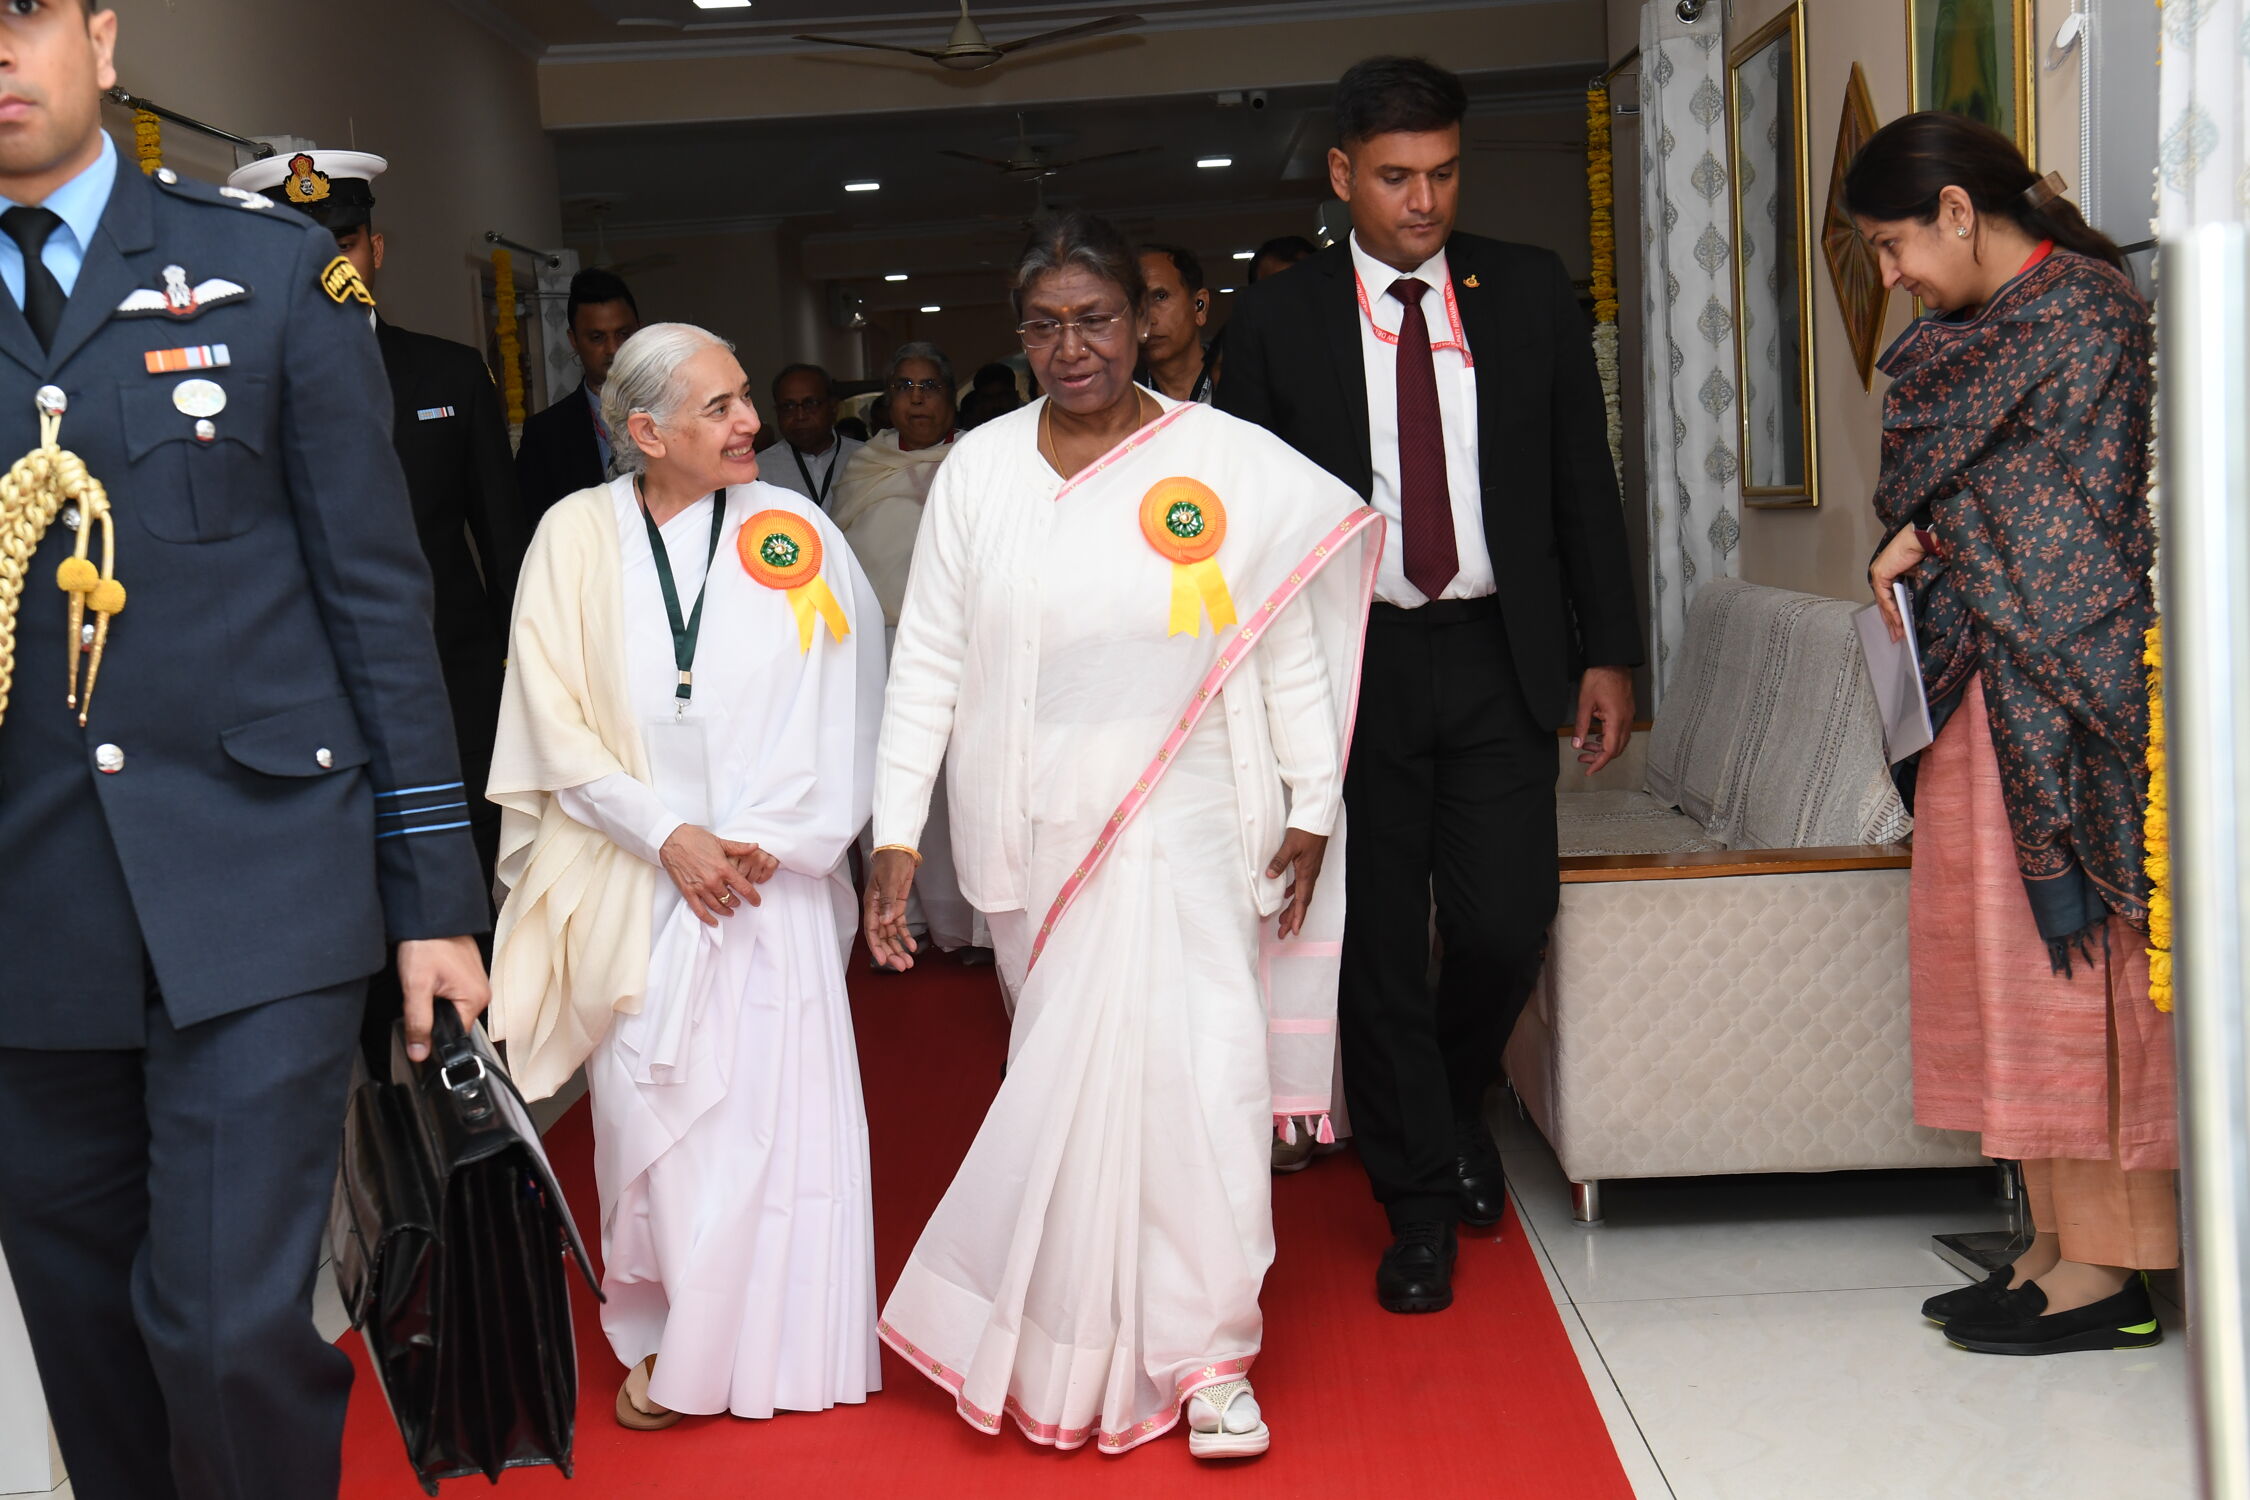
point(263, 798)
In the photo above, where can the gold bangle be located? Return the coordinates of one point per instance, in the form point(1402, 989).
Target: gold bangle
point(906, 849)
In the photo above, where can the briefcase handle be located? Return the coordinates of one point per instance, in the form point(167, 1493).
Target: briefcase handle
point(460, 1067)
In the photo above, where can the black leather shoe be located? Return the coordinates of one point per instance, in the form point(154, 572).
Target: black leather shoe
point(1980, 1303)
point(2023, 1326)
point(1477, 1176)
point(1416, 1275)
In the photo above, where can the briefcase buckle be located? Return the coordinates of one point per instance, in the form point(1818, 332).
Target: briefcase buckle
point(445, 1074)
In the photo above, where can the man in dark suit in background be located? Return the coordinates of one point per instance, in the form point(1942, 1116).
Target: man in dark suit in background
point(565, 448)
point(452, 439)
point(204, 854)
point(1451, 380)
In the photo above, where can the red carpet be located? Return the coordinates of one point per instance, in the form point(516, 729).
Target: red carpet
point(1485, 1399)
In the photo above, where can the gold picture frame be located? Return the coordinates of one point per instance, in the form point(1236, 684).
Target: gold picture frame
point(1955, 61)
point(1782, 467)
point(1860, 293)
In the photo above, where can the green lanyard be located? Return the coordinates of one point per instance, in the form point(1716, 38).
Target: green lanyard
point(685, 631)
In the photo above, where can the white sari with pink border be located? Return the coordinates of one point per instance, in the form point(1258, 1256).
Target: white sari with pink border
point(1099, 1255)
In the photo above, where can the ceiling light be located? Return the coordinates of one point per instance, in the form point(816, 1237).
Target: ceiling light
point(931, 307)
point(722, 4)
point(1245, 255)
point(1225, 289)
point(896, 276)
point(1214, 161)
point(863, 187)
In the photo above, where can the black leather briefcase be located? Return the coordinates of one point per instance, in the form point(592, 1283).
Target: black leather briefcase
point(451, 1244)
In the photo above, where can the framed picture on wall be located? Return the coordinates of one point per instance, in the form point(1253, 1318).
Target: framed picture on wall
point(1860, 292)
point(1973, 57)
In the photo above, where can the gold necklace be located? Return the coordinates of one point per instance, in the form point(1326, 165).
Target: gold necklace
point(1053, 454)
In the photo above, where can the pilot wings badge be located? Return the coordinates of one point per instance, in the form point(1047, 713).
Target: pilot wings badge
point(178, 299)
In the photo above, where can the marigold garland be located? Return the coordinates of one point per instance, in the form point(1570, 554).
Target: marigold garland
point(2156, 828)
point(1601, 230)
point(511, 344)
point(148, 141)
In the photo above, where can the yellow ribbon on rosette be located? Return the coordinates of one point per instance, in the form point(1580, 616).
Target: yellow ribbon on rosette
point(1185, 521)
point(781, 550)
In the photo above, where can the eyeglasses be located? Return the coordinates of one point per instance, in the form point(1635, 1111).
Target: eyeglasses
point(909, 387)
point(1095, 328)
point(808, 406)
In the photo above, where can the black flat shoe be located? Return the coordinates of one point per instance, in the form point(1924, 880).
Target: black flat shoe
point(1981, 1302)
point(2125, 1321)
point(1477, 1177)
point(1416, 1274)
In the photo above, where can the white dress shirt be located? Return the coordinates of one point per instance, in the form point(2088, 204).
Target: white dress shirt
point(1457, 409)
point(785, 465)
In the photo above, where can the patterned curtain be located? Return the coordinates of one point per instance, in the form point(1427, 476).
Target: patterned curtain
point(1687, 304)
point(2203, 93)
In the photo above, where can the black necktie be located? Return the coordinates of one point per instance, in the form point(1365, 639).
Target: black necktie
point(42, 294)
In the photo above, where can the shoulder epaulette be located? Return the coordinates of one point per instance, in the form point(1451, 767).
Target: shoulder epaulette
point(257, 205)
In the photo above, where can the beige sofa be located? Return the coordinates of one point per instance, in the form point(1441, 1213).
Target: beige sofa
point(1726, 981)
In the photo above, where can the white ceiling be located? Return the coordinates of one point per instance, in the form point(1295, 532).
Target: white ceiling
point(680, 178)
point(571, 30)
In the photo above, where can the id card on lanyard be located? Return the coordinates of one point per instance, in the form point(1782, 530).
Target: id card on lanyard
point(678, 749)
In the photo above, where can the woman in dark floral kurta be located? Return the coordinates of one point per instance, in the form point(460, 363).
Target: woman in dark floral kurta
point(2013, 499)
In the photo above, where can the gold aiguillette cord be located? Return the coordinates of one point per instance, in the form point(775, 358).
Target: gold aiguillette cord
point(32, 493)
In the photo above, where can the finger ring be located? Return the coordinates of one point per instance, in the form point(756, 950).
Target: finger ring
point(726, 898)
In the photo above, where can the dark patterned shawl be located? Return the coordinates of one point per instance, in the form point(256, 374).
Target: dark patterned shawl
point(2020, 437)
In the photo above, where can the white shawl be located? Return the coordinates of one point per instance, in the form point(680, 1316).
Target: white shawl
point(572, 944)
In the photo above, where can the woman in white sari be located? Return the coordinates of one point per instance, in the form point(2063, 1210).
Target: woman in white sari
point(1150, 868)
point(695, 674)
point(879, 505)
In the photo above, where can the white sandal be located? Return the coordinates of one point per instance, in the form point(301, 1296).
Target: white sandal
point(1224, 1422)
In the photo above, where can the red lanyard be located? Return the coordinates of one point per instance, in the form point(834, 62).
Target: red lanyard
point(1458, 341)
point(2046, 247)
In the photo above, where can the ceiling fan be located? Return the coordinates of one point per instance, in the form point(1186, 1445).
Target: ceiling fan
point(1030, 164)
point(966, 50)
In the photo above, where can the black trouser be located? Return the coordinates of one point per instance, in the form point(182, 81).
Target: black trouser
point(1451, 792)
point(162, 1212)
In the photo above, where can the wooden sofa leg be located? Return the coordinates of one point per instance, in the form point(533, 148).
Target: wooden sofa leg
point(1586, 1202)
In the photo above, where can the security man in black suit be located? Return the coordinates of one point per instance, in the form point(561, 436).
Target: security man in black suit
point(227, 788)
point(1450, 379)
point(452, 440)
point(565, 448)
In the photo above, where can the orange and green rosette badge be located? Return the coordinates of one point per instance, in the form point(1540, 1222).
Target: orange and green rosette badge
point(1184, 521)
point(781, 550)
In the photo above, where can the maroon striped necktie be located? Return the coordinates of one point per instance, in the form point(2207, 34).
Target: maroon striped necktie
point(1425, 503)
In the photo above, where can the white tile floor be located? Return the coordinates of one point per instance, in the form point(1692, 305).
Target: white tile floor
point(1757, 1338)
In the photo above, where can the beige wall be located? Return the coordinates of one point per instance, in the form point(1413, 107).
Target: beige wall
point(1826, 550)
point(454, 108)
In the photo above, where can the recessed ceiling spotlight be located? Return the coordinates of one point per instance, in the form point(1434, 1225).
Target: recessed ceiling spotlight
point(1245, 255)
point(931, 307)
point(1214, 161)
point(722, 4)
point(1225, 289)
point(896, 276)
point(863, 187)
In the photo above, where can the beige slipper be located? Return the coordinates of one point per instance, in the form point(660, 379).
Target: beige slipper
point(634, 1408)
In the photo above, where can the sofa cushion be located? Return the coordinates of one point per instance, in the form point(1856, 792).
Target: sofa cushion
point(1706, 685)
point(1625, 823)
point(1780, 744)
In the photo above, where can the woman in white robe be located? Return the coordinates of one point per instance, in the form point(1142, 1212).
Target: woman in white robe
point(878, 503)
point(1152, 870)
point(719, 731)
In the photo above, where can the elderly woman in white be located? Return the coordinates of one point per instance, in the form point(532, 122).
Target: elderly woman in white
point(1136, 625)
point(685, 753)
